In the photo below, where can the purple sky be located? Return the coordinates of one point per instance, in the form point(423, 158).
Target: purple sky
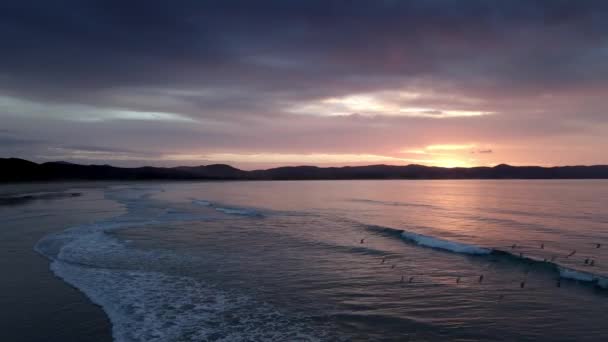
point(264, 83)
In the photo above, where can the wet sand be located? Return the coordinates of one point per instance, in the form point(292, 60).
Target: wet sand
point(34, 304)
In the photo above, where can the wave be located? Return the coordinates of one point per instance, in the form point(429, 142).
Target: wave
point(240, 211)
point(201, 203)
point(452, 246)
point(393, 203)
point(14, 200)
point(152, 306)
point(431, 241)
point(568, 273)
point(228, 210)
point(144, 300)
point(469, 249)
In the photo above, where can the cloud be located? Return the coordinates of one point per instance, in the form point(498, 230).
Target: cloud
point(313, 77)
point(386, 103)
point(449, 147)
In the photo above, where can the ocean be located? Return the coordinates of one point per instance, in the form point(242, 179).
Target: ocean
point(444, 260)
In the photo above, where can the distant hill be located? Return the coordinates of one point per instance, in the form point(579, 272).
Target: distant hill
point(17, 170)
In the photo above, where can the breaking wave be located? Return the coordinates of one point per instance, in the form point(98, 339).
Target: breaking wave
point(144, 300)
point(228, 210)
point(393, 203)
point(470, 249)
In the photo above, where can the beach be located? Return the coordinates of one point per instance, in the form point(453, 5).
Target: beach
point(305, 261)
point(36, 305)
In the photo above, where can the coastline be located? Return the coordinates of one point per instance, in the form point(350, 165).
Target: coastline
point(41, 306)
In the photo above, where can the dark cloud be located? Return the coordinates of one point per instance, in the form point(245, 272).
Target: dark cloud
point(86, 49)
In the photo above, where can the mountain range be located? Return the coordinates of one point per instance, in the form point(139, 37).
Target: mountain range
point(20, 170)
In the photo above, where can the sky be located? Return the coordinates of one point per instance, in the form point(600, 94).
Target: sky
point(258, 84)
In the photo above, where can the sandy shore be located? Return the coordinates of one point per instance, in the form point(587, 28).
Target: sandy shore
point(34, 304)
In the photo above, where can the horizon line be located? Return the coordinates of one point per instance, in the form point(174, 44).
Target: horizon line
point(305, 165)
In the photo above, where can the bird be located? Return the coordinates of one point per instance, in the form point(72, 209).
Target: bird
point(393, 266)
point(542, 246)
point(362, 240)
point(481, 278)
point(458, 280)
point(592, 263)
point(587, 261)
point(571, 253)
point(411, 279)
point(513, 246)
point(522, 284)
point(383, 260)
point(598, 245)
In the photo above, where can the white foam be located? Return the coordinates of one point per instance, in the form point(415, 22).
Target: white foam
point(452, 246)
point(575, 275)
point(202, 203)
point(227, 210)
point(238, 211)
point(151, 306)
point(146, 303)
point(569, 273)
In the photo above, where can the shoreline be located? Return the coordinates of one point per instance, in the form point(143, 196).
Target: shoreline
point(42, 305)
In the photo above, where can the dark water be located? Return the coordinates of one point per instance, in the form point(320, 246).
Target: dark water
point(360, 260)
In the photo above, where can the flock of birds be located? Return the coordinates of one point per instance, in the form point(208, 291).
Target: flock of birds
point(589, 261)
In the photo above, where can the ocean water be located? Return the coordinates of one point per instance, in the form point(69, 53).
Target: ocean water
point(344, 260)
